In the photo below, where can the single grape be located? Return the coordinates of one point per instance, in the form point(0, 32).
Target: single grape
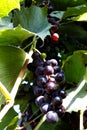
point(39, 100)
point(57, 101)
point(50, 87)
point(60, 78)
point(55, 36)
point(50, 9)
point(39, 70)
point(38, 91)
point(62, 93)
point(37, 62)
point(44, 107)
point(52, 62)
point(48, 70)
point(35, 55)
point(41, 81)
point(52, 117)
point(60, 112)
point(57, 69)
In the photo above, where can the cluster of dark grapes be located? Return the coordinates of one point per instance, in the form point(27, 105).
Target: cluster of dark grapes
point(49, 77)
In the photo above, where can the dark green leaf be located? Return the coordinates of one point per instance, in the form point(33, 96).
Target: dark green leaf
point(75, 11)
point(33, 19)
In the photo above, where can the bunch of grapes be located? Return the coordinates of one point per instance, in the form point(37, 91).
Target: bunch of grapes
point(49, 77)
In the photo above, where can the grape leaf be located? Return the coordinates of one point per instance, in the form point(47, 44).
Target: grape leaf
point(7, 118)
point(33, 19)
point(8, 5)
point(74, 66)
point(14, 36)
point(11, 61)
point(5, 22)
point(63, 4)
point(75, 12)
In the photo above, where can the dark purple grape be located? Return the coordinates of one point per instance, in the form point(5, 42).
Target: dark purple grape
point(55, 93)
point(39, 100)
point(37, 62)
point(60, 78)
point(35, 55)
point(50, 9)
point(38, 91)
point(57, 69)
point(41, 81)
point(53, 29)
point(44, 107)
point(63, 94)
point(57, 101)
point(52, 20)
point(48, 70)
point(52, 117)
point(39, 70)
point(60, 112)
point(52, 62)
point(50, 87)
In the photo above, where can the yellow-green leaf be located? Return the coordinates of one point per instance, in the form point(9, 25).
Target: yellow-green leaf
point(8, 5)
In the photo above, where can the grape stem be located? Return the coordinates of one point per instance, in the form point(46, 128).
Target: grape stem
point(40, 123)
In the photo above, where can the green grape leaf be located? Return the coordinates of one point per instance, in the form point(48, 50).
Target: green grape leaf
point(9, 117)
point(74, 66)
point(33, 19)
point(8, 5)
point(11, 61)
point(14, 36)
point(76, 98)
point(63, 4)
point(75, 13)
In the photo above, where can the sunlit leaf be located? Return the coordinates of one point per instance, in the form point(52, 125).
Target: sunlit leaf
point(11, 61)
point(74, 66)
point(8, 5)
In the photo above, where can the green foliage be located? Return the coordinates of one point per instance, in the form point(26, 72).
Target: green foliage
point(22, 30)
point(33, 19)
point(10, 57)
point(6, 6)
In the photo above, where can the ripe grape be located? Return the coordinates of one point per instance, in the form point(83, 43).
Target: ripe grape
point(52, 117)
point(50, 87)
point(39, 70)
point(44, 107)
point(48, 70)
point(60, 77)
point(41, 81)
point(38, 91)
point(57, 101)
point(62, 93)
point(35, 55)
point(60, 112)
point(39, 100)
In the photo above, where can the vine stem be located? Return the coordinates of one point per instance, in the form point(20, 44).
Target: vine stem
point(40, 123)
point(81, 120)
